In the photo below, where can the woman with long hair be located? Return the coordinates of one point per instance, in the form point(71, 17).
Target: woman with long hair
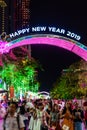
point(67, 123)
point(55, 117)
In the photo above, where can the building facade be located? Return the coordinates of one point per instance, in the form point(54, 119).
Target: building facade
point(15, 15)
point(21, 13)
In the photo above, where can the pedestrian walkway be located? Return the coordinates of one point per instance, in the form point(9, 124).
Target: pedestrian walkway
point(1, 124)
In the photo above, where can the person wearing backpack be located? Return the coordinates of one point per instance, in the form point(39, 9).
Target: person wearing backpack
point(12, 120)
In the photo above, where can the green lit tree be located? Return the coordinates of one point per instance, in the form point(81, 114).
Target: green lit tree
point(19, 69)
point(22, 75)
point(62, 89)
point(72, 83)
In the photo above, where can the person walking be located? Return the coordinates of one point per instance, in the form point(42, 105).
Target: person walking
point(13, 121)
point(78, 115)
point(67, 116)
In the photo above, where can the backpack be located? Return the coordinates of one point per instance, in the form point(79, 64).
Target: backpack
point(16, 118)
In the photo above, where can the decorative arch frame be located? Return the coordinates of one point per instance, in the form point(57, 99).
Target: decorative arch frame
point(49, 39)
point(43, 92)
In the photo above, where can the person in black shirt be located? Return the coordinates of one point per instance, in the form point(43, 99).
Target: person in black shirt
point(78, 115)
point(48, 110)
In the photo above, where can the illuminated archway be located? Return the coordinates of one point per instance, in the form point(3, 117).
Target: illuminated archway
point(43, 92)
point(55, 40)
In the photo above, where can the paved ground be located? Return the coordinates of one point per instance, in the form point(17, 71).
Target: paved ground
point(1, 124)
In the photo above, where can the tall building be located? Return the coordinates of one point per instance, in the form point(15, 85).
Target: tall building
point(21, 15)
point(14, 14)
point(3, 10)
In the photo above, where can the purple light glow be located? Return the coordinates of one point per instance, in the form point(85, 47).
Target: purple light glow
point(68, 45)
point(80, 52)
point(3, 47)
point(44, 40)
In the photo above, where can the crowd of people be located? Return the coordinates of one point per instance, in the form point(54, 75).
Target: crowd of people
point(43, 114)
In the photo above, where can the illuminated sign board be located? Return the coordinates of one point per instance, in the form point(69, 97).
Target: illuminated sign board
point(44, 35)
point(42, 29)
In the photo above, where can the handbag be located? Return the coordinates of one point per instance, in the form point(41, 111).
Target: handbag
point(65, 127)
point(44, 127)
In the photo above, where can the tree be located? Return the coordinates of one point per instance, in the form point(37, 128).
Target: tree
point(72, 83)
point(22, 75)
point(19, 69)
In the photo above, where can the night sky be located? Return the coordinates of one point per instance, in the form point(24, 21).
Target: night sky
point(69, 15)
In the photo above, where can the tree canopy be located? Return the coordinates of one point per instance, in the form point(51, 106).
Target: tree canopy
point(72, 83)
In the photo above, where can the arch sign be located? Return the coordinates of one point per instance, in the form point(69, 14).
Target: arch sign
point(44, 94)
point(45, 35)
